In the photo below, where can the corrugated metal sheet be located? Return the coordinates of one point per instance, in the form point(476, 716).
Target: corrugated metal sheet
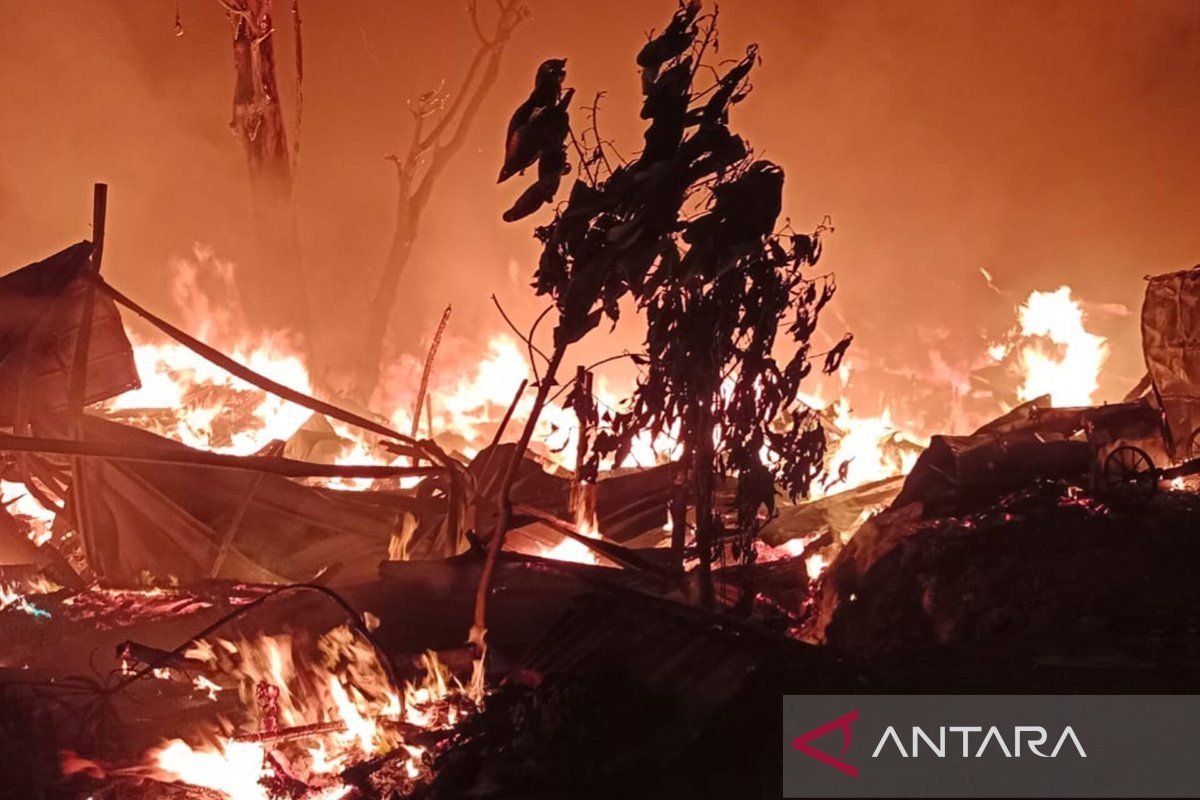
point(1171, 342)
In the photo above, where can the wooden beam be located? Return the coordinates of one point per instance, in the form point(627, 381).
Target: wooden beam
point(77, 388)
point(286, 467)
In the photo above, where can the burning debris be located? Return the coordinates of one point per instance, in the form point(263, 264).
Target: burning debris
point(223, 580)
point(875, 562)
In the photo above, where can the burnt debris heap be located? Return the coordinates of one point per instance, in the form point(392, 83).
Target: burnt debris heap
point(183, 621)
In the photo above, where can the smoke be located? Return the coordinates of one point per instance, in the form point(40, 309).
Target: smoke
point(1049, 144)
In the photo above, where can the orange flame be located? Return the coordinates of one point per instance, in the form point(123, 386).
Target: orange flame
point(346, 687)
point(1056, 354)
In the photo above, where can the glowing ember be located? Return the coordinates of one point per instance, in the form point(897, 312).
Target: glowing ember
point(765, 553)
point(814, 565)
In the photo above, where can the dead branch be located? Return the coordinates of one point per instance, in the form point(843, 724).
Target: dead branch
point(418, 169)
point(299, 83)
point(526, 338)
point(426, 370)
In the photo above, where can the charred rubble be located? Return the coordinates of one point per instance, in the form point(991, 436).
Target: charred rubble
point(182, 613)
point(1051, 550)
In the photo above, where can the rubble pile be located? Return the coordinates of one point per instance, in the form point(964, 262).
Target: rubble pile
point(1047, 574)
point(182, 621)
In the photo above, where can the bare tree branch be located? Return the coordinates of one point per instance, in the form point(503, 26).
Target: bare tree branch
point(429, 151)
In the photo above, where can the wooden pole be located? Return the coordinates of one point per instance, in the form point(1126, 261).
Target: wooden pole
point(582, 500)
point(83, 338)
point(77, 389)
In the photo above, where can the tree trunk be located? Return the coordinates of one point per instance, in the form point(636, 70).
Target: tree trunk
point(272, 286)
point(418, 172)
point(703, 470)
point(677, 510)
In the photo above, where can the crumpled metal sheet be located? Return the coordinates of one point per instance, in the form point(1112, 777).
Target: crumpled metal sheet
point(1171, 343)
point(41, 307)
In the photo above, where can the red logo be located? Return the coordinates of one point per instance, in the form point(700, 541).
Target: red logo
point(843, 724)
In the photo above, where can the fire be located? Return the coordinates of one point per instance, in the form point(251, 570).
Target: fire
point(571, 550)
point(16, 594)
point(866, 451)
point(860, 448)
point(186, 398)
point(1068, 370)
point(233, 768)
point(203, 406)
point(22, 505)
point(318, 715)
point(814, 565)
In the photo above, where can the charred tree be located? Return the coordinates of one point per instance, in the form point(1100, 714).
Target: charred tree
point(273, 290)
point(440, 126)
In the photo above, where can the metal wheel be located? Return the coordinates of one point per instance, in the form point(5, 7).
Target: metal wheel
point(1193, 445)
point(1129, 478)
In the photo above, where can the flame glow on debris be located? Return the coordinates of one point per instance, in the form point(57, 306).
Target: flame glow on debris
point(213, 410)
point(866, 451)
point(343, 694)
point(571, 550)
point(860, 448)
point(190, 400)
point(21, 504)
point(16, 594)
point(11, 597)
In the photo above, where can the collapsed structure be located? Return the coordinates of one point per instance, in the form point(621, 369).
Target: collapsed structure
point(1009, 505)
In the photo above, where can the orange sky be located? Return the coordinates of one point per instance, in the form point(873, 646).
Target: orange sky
point(1047, 142)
